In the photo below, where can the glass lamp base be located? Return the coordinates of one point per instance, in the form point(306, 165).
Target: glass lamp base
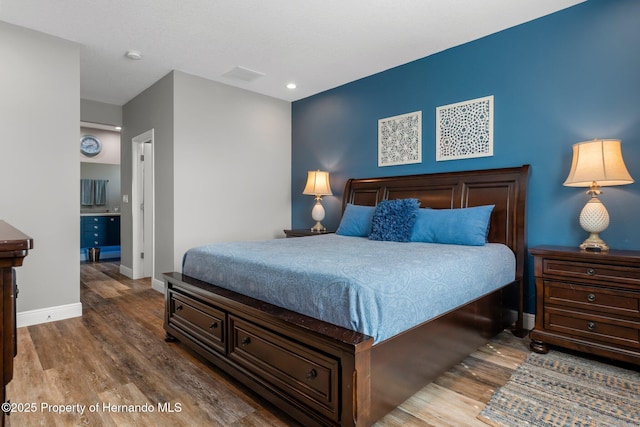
point(318, 227)
point(594, 243)
point(318, 215)
point(594, 219)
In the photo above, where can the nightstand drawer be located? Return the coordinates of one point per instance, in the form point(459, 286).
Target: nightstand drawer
point(592, 270)
point(587, 301)
point(594, 328)
point(608, 300)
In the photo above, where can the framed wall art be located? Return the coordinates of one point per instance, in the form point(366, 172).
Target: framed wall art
point(465, 130)
point(400, 139)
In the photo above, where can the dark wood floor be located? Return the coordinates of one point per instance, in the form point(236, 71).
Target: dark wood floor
point(114, 365)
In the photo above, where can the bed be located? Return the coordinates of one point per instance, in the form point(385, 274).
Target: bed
point(345, 374)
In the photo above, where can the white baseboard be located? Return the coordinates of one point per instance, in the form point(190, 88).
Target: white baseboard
point(49, 314)
point(528, 320)
point(157, 285)
point(126, 271)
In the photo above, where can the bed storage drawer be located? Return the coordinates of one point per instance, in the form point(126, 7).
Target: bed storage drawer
point(296, 370)
point(203, 322)
point(304, 366)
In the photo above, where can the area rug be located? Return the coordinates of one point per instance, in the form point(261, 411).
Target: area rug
point(558, 389)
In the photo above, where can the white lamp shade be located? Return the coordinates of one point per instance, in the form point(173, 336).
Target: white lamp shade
point(598, 161)
point(596, 164)
point(317, 184)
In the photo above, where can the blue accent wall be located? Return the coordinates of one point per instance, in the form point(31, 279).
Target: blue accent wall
point(564, 78)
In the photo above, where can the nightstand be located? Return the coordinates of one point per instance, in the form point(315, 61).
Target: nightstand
point(302, 232)
point(587, 301)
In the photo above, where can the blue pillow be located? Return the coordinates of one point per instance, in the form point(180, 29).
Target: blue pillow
point(466, 226)
point(394, 219)
point(356, 220)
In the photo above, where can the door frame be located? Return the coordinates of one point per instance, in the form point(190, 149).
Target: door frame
point(142, 267)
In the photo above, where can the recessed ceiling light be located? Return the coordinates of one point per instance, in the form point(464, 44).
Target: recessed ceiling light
point(291, 86)
point(118, 127)
point(133, 54)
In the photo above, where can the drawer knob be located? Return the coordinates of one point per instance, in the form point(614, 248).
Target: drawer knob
point(245, 341)
point(178, 308)
point(591, 326)
point(312, 374)
point(591, 272)
point(591, 297)
point(214, 325)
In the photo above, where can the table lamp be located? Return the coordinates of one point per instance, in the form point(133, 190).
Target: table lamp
point(318, 186)
point(596, 164)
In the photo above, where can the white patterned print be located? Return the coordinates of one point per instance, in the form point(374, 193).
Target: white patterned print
point(465, 129)
point(400, 139)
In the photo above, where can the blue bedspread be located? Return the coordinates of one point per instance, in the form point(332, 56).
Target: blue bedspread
point(377, 288)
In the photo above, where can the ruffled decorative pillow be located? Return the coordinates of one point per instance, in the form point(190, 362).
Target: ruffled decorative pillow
point(394, 219)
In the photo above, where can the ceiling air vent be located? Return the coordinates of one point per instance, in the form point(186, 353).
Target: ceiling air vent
point(242, 73)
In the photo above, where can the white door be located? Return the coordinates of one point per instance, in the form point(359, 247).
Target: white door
point(142, 205)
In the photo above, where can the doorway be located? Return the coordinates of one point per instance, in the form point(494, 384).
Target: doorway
point(142, 205)
point(100, 197)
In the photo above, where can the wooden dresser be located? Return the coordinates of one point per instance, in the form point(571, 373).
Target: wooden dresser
point(14, 246)
point(587, 301)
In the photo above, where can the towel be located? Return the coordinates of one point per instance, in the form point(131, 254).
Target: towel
point(100, 186)
point(86, 192)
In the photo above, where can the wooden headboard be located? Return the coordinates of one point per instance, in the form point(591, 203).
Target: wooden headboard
point(505, 188)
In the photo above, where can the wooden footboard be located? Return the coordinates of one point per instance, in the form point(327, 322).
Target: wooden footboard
point(314, 371)
point(319, 373)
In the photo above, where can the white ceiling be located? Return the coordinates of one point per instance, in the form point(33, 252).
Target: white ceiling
point(318, 44)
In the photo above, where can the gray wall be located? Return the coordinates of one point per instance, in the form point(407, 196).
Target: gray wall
point(232, 164)
point(40, 114)
point(152, 109)
point(222, 165)
point(100, 113)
